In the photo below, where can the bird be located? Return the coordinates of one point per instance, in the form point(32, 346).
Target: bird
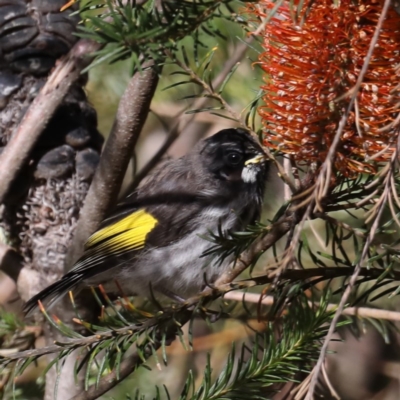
point(153, 242)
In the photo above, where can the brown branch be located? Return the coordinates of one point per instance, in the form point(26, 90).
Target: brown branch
point(362, 312)
point(106, 383)
point(291, 275)
point(23, 139)
point(326, 273)
point(131, 116)
point(131, 363)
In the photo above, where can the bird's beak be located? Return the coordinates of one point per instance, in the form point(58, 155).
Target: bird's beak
point(256, 160)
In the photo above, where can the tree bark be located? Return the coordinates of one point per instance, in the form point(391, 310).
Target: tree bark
point(39, 212)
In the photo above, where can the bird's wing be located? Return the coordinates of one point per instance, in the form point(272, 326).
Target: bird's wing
point(154, 216)
point(123, 236)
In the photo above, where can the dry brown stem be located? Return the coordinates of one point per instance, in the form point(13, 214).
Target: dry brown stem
point(361, 312)
point(103, 193)
point(288, 275)
point(112, 379)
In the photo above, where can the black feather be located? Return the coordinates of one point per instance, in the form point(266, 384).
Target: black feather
point(49, 296)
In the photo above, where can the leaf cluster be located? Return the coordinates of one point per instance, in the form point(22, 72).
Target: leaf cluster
point(284, 352)
point(287, 347)
point(13, 332)
point(227, 243)
point(147, 30)
point(102, 351)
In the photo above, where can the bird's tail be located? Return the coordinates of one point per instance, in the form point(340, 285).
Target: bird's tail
point(50, 296)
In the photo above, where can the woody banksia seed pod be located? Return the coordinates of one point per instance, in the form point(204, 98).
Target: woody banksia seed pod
point(39, 214)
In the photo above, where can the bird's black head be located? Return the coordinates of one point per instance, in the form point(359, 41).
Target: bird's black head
point(233, 155)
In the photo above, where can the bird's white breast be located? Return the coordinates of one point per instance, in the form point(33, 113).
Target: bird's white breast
point(179, 267)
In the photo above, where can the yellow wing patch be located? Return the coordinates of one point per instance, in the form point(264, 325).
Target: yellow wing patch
point(128, 233)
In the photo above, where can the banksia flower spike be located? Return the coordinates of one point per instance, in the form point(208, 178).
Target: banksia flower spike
point(311, 63)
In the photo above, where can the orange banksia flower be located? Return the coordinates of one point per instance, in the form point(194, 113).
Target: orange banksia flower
point(311, 63)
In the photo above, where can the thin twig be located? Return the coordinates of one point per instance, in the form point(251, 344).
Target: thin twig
point(361, 312)
point(334, 394)
point(132, 112)
point(208, 88)
point(287, 193)
point(302, 275)
point(288, 258)
point(129, 365)
point(25, 136)
point(222, 289)
point(300, 390)
point(341, 224)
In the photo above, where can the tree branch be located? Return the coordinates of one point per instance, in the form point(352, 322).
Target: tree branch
point(103, 193)
point(361, 312)
point(291, 275)
point(127, 366)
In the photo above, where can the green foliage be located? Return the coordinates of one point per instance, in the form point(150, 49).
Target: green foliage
point(146, 31)
point(225, 244)
point(289, 346)
point(13, 333)
point(269, 361)
point(284, 352)
point(9, 324)
point(103, 351)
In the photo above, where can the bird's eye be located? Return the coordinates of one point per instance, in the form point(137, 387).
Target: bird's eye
point(233, 158)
